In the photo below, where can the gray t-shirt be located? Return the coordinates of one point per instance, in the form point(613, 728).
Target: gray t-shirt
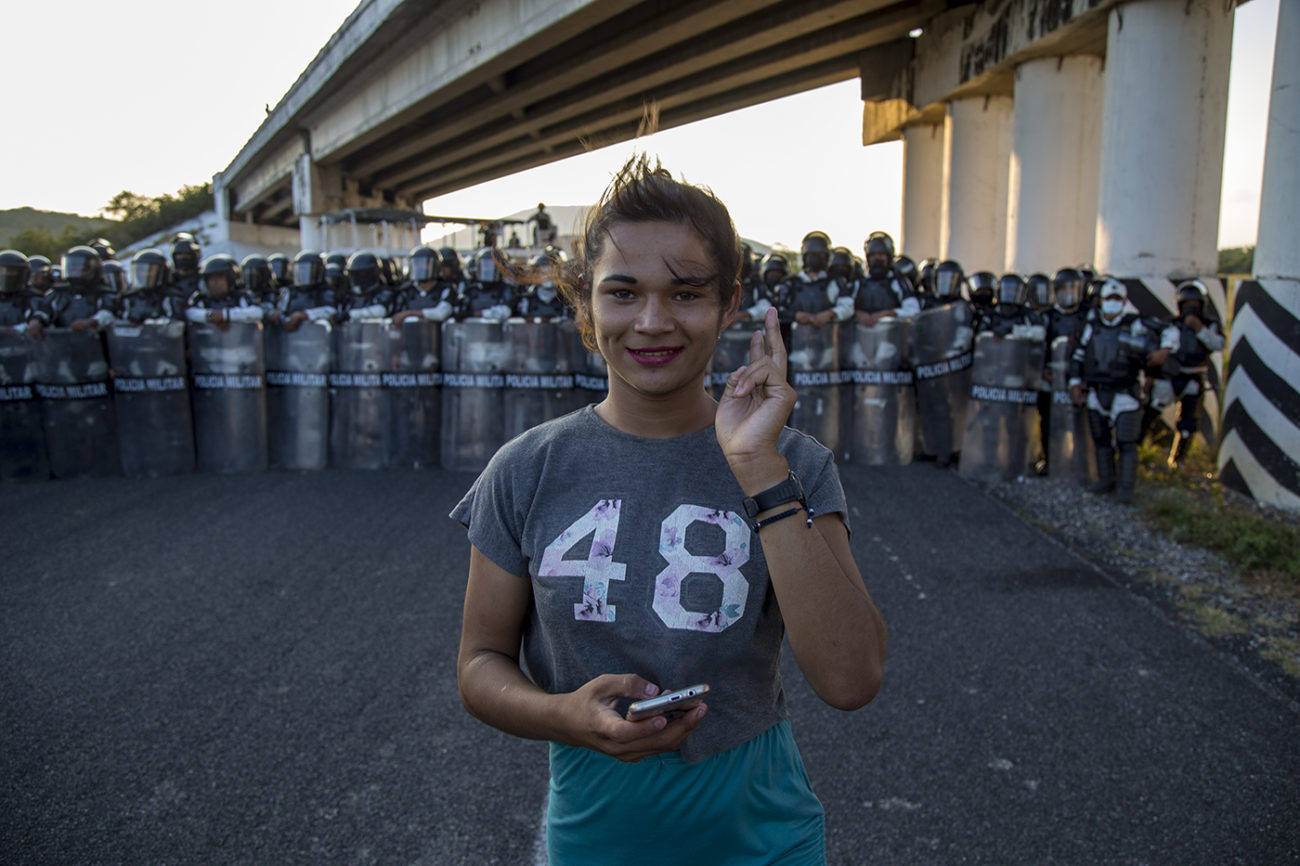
point(642, 562)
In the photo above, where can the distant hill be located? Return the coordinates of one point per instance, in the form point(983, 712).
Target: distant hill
point(20, 219)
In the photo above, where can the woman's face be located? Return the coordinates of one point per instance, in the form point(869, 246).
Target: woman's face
point(655, 307)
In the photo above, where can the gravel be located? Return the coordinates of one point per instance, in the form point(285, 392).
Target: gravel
point(1258, 624)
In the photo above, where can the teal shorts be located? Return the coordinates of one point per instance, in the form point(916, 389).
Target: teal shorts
point(749, 805)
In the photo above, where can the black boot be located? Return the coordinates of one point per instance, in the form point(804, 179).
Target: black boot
point(1105, 470)
point(1128, 472)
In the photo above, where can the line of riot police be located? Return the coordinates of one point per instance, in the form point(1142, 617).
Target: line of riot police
point(891, 360)
point(1042, 374)
point(292, 363)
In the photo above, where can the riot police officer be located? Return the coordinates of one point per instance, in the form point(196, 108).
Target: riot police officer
point(1199, 335)
point(308, 297)
point(981, 288)
point(488, 295)
point(1064, 318)
point(1009, 316)
point(220, 298)
point(423, 296)
point(813, 296)
point(882, 292)
point(947, 280)
point(281, 268)
point(258, 281)
point(185, 265)
point(541, 299)
point(82, 301)
point(369, 298)
point(15, 297)
point(1114, 349)
point(40, 278)
point(114, 277)
point(150, 297)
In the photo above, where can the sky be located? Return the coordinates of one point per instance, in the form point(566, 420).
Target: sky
point(149, 96)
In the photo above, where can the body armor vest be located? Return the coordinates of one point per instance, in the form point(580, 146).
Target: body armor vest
point(1114, 356)
point(14, 309)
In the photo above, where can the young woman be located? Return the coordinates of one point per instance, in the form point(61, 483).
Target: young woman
point(659, 540)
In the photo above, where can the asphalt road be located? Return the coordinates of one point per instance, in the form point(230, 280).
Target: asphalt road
point(261, 669)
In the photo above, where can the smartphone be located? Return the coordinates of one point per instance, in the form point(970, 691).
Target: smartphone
point(680, 700)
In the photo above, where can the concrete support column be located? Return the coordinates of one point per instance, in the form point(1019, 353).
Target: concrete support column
point(316, 191)
point(922, 190)
point(1055, 157)
point(977, 154)
point(1162, 137)
point(1260, 452)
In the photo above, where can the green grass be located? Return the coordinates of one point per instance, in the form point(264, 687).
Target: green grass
point(1191, 507)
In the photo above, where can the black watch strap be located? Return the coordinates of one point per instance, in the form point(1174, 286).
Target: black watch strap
point(789, 490)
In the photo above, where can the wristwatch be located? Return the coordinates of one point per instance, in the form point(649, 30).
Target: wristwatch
point(789, 490)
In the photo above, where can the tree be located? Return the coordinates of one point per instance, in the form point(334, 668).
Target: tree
point(43, 242)
point(139, 217)
point(1237, 260)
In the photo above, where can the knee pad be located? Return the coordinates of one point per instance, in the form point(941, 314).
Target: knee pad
point(1099, 427)
point(1128, 428)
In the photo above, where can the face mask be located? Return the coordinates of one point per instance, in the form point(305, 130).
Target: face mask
point(1112, 307)
point(546, 292)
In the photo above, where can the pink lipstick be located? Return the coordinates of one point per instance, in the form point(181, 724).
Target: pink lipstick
point(655, 356)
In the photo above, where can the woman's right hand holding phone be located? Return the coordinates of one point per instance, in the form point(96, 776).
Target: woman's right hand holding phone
point(592, 714)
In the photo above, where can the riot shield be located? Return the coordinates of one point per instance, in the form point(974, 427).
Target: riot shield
point(1002, 418)
point(297, 396)
point(731, 353)
point(590, 376)
point(1069, 444)
point(538, 374)
point(77, 410)
point(22, 435)
point(360, 415)
point(151, 397)
point(884, 402)
point(228, 371)
point(415, 393)
point(474, 356)
point(941, 349)
point(814, 372)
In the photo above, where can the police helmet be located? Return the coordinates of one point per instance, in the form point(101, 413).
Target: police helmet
point(149, 270)
point(1012, 291)
point(815, 251)
point(336, 277)
point(257, 274)
point(948, 280)
point(450, 260)
point(14, 271)
point(104, 248)
point(82, 266)
point(485, 265)
point(905, 268)
point(185, 254)
point(925, 276)
point(220, 266)
point(1087, 272)
point(281, 269)
point(114, 276)
point(879, 252)
point(363, 270)
point(336, 258)
point(308, 268)
point(42, 273)
point(1040, 292)
point(424, 263)
point(775, 264)
point(840, 263)
point(1191, 297)
point(982, 286)
point(1067, 286)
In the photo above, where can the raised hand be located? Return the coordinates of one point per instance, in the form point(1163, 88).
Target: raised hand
point(757, 401)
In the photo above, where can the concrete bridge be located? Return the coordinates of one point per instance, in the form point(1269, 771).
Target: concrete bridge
point(1037, 134)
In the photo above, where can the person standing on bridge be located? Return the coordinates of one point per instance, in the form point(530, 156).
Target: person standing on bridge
point(661, 539)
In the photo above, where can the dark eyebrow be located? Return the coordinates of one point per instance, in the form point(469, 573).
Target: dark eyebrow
point(619, 278)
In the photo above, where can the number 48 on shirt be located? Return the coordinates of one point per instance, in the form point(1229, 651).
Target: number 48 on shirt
point(599, 568)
